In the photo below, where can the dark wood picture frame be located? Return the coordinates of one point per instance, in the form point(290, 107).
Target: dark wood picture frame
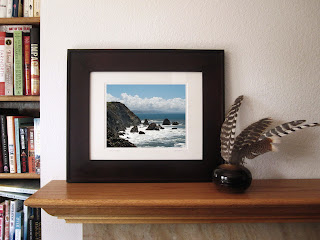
point(82, 62)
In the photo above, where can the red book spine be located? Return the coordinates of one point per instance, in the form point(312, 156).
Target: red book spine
point(31, 157)
point(27, 64)
point(2, 63)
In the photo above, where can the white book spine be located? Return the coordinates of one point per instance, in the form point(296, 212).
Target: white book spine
point(31, 8)
point(9, 66)
point(26, 214)
point(11, 145)
point(36, 8)
point(13, 210)
point(3, 8)
point(26, 8)
point(9, 8)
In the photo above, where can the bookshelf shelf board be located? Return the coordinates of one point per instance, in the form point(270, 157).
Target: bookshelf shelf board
point(19, 176)
point(19, 98)
point(20, 20)
point(273, 200)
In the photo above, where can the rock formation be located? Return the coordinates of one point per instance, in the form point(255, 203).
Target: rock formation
point(166, 122)
point(119, 117)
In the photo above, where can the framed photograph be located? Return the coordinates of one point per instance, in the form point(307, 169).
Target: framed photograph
point(144, 115)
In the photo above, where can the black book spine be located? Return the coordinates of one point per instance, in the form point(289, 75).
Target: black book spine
point(4, 143)
point(31, 228)
point(24, 150)
point(37, 223)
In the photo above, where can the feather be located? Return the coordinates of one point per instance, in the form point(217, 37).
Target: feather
point(228, 129)
point(265, 144)
point(281, 129)
point(258, 148)
point(247, 137)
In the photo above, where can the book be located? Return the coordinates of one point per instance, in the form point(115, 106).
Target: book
point(18, 65)
point(35, 61)
point(15, 206)
point(18, 121)
point(18, 196)
point(18, 225)
point(7, 220)
point(26, 8)
point(2, 220)
point(12, 28)
point(37, 223)
point(31, 10)
point(27, 63)
point(9, 8)
point(4, 143)
point(36, 8)
point(37, 145)
point(20, 186)
point(31, 157)
point(1, 160)
point(3, 8)
point(2, 63)
point(17, 9)
point(31, 228)
point(11, 144)
point(24, 150)
point(26, 215)
point(9, 64)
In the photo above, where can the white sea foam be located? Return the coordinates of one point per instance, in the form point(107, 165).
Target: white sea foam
point(166, 137)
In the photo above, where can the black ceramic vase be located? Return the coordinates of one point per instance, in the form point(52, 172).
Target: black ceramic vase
point(232, 178)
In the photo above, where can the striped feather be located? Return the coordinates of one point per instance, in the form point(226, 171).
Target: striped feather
point(260, 147)
point(281, 129)
point(228, 129)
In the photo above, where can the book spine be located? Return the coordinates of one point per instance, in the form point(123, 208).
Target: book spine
point(20, 8)
point(12, 28)
point(30, 7)
point(31, 228)
point(3, 8)
point(17, 230)
point(26, 8)
point(31, 158)
point(11, 144)
point(15, 7)
point(24, 150)
point(1, 160)
point(7, 220)
point(4, 142)
point(18, 73)
point(9, 8)
point(2, 63)
point(37, 145)
point(27, 64)
point(13, 210)
point(37, 223)
point(9, 64)
point(17, 144)
point(35, 61)
point(2, 216)
point(26, 214)
point(36, 8)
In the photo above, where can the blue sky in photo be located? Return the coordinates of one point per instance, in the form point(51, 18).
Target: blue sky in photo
point(167, 91)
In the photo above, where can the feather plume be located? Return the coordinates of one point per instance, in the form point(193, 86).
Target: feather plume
point(228, 129)
point(248, 136)
point(281, 129)
point(258, 148)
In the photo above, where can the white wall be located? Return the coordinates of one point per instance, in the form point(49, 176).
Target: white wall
point(272, 50)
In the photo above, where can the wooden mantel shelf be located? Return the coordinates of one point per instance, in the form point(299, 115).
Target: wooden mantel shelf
point(265, 201)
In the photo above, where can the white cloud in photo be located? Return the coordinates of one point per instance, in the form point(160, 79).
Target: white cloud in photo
point(150, 104)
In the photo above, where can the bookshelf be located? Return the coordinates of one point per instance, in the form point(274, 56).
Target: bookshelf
point(27, 105)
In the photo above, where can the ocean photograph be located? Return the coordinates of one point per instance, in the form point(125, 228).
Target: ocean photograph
point(146, 116)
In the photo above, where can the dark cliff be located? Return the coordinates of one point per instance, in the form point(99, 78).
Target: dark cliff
point(119, 117)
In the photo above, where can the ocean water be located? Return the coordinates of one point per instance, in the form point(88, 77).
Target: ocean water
point(166, 137)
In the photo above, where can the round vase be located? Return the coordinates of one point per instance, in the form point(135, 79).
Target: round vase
point(232, 178)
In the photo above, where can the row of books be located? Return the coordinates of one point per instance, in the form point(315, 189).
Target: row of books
point(20, 144)
point(17, 221)
point(19, 60)
point(19, 8)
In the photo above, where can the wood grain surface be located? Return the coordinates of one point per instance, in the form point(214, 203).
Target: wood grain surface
point(265, 201)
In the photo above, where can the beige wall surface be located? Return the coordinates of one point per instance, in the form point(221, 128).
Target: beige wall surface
point(272, 56)
point(230, 231)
